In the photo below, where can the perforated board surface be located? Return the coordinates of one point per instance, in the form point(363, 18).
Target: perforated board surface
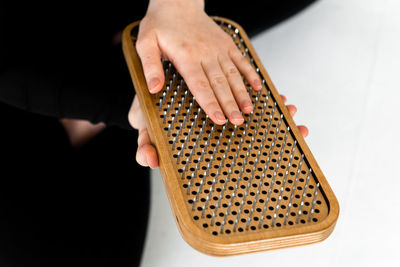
point(234, 189)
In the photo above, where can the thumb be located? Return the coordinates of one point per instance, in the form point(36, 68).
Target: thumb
point(150, 56)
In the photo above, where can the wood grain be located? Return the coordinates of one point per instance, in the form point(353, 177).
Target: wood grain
point(275, 199)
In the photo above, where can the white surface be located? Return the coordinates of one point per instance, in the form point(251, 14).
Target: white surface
point(338, 61)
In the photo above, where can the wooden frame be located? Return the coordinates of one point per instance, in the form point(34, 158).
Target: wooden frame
point(233, 243)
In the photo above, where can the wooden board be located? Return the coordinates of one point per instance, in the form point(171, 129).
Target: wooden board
point(234, 189)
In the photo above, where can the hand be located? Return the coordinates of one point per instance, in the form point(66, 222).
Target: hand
point(146, 154)
point(206, 57)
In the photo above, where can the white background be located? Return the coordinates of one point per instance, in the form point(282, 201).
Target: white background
point(339, 62)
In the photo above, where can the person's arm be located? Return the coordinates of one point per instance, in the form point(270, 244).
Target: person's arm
point(53, 66)
point(47, 93)
point(205, 56)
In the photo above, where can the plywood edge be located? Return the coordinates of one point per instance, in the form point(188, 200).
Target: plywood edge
point(223, 245)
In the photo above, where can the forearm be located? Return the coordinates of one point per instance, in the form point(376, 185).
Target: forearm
point(42, 91)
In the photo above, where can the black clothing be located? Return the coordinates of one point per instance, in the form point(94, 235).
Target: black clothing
point(58, 206)
point(61, 207)
point(60, 61)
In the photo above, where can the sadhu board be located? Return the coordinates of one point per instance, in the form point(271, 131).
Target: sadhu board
point(234, 189)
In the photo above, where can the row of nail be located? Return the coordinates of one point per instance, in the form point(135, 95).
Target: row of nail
point(303, 196)
point(238, 149)
point(201, 156)
point(284, 182)
point(250, 183)
point(272, 184)
point(194, 175)
point(266, 163)
point(218, 171)
point(196, 143)
point(172, 99)
point(244, 164)
point(269, 157)
point(293, 189)
point(181, 129)
point(313, 202)
point(258, 155)
point(229, 173)
point(200, 160)
point(227, 179)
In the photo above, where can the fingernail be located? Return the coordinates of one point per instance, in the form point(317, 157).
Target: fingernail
point(219, 116)
point(235, 115)
point(153, 84)
point(247, 106)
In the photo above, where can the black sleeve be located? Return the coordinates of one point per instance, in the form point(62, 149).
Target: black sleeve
point(256, 16)
point(61, 62)
point(58, 59)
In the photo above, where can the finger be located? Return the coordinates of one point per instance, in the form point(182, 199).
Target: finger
point(245, 68)
point(135, 115)
point(283, 98)
point(150, 56)
point(143, 138)
point(141, 157)
point(200, 88)
point(150, 154)
point(236, 84)
point(222, 91)
point(146, 154)
point(303, 130)
point(292, 109)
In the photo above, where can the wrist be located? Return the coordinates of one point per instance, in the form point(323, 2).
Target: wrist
point(184, 4)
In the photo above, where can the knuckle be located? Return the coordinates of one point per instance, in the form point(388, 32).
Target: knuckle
point(232, 72)
point(203, 42)
point(218, 80)
point(238, 56)
point(185, 49)
point(184, 55)
point(140, 44)
point(234, 53)
point(227, 39)
point(184, 45)
point(201, 85)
